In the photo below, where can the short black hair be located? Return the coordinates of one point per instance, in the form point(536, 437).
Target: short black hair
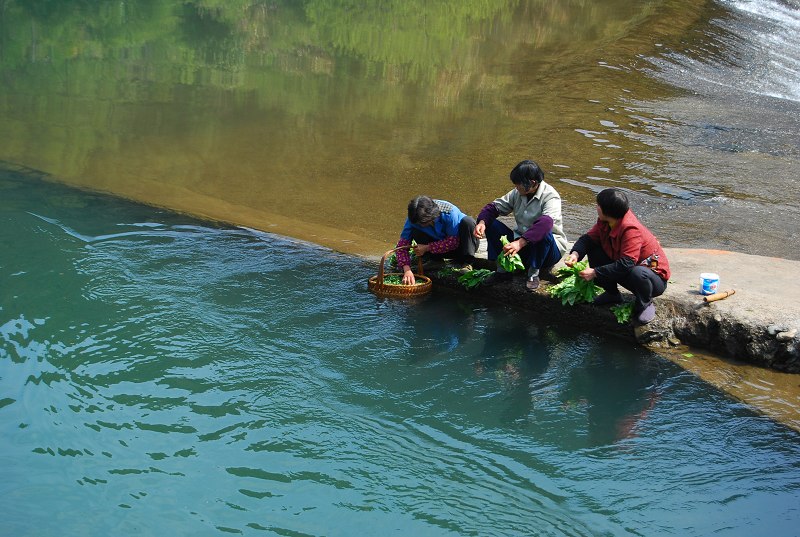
point(423, 211)
point(613, 202)
point(526, 173)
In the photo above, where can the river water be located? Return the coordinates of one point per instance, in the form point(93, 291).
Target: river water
point(163, 375)
point(319, 121)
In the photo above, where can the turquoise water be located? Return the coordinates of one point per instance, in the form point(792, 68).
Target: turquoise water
point(161, 375)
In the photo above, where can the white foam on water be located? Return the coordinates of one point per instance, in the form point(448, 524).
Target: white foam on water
point(770, 31)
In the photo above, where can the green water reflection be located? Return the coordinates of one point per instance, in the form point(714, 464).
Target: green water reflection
point(301, 116)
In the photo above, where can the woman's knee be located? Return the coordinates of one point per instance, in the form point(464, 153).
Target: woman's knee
point(647, 281)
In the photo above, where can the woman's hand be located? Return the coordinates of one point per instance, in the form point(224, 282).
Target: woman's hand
point(588, 274)
point(571, 259)
point(513, 247)
point(421, 249)
point(408, 277)
point(480, 230)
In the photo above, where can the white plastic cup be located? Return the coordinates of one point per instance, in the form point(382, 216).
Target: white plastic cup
point(709, 283)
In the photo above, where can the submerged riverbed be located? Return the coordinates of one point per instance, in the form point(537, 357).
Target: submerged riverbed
point(160, 375)
point(318, 121)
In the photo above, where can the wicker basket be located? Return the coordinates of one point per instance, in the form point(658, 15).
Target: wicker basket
point(376, 284)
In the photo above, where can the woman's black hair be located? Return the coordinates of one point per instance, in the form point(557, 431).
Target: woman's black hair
point(526, 173)
point(613, 202)
point(423, 211)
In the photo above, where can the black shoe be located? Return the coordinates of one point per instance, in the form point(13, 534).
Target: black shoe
point(463, 268)
point(497, 277)
point(532, 283)
point(548, 274)
point(608, 298)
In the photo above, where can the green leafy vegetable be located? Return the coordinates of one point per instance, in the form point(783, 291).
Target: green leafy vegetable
point(397, 279)
point(623, 312)
point(473, 278)
point(447, 271)
point(573, 289)
point(509, 263)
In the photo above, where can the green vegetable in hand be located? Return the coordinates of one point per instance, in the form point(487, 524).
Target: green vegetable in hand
point(623, 312)
point(510, 263)
point(573, 289)
point(473, 278)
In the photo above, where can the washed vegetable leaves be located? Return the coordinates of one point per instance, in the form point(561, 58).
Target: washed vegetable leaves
point(473, 278)
point(623, 312)
point(573, 289)
point(510, 263)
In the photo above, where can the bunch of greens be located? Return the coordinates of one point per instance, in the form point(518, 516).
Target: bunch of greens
point(473, 278)
point(397, 279)
point(447, 271)
point(573, 289)
point(623, 312)
point(510, 263)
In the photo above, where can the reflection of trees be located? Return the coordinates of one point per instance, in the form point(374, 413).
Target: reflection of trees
point(190, 93)
point(408, 40)
point(400, 33)
point(302, 57)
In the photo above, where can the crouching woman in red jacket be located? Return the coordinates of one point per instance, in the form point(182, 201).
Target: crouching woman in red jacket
point(622, 251)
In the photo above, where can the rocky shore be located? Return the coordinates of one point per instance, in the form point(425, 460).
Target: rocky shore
point(759, 324)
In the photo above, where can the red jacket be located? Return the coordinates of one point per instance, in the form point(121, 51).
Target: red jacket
point(631, 239)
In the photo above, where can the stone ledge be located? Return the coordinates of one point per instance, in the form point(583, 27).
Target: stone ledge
point(759, 324)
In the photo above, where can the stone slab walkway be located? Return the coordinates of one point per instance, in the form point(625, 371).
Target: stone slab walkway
point(759, 324)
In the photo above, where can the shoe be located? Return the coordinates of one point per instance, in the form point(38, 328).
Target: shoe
point(497, 277)
point(548, 274)
point(608, 297)
point(463, 269)
point(532, 283)
point(647, 314)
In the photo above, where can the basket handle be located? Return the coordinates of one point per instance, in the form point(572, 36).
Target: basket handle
point(383, 262)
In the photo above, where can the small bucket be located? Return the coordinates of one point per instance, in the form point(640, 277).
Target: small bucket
point(709, 283)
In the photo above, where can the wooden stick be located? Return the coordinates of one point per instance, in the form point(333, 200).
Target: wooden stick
point(718, 296)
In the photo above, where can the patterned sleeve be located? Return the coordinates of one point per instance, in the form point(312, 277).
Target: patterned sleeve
point(403, 258)
point(445, 245)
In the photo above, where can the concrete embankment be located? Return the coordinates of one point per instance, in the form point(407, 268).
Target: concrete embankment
point(759, 324)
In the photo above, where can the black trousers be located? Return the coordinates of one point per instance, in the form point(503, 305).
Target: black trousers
point(467, 243)
point(643, 282)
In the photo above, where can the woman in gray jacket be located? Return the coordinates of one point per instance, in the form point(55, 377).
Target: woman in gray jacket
point(539, 236)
